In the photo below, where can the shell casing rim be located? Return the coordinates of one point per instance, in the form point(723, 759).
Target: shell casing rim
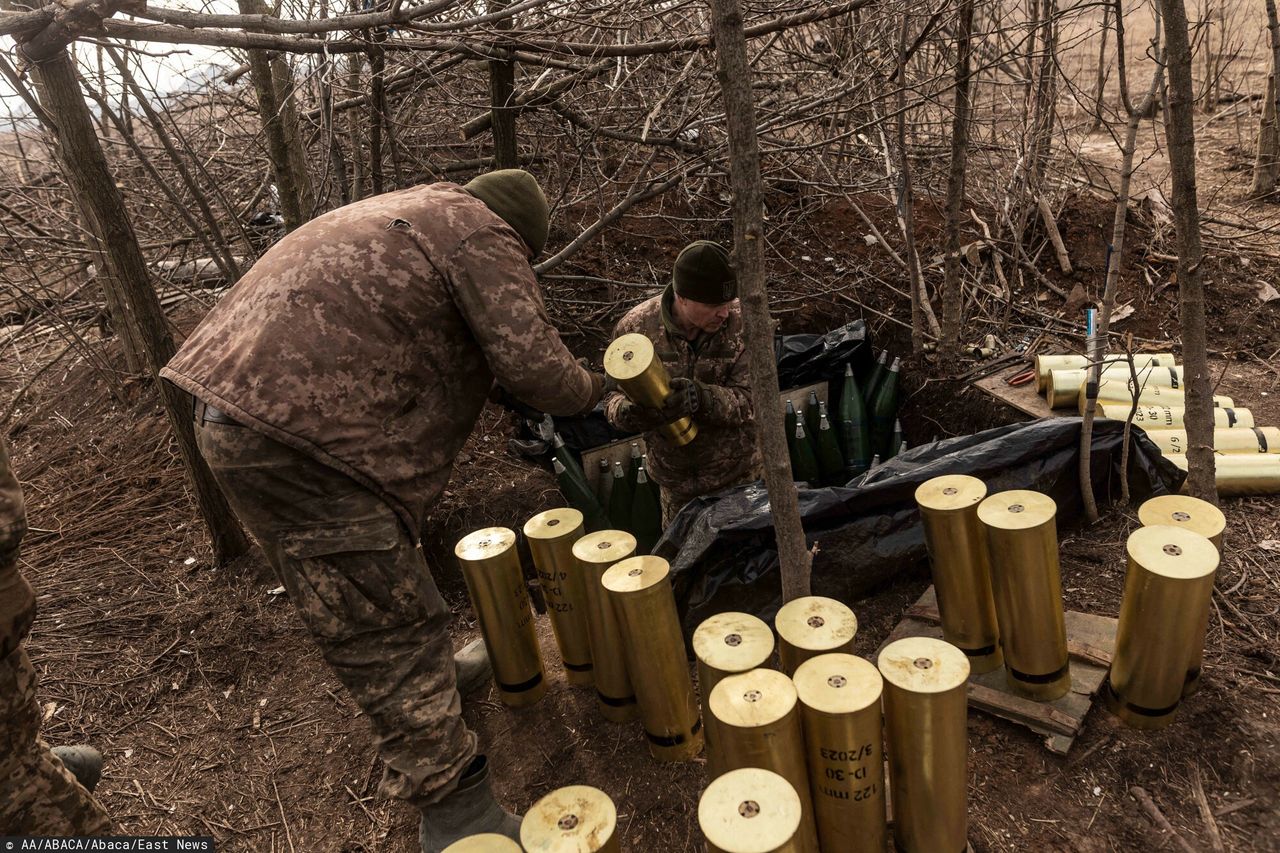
point(588, 551)
point(776, 689)
point(1146, 547)
point(543, 817)
point(809, 680)
point(472, 550)
point(786, 809)
point(840, 626)
point(757, 642)
point(537, 528)
point(620, 578)
point(1039, 509)
point(939, 652)
point(929, 494)
point(614, 356)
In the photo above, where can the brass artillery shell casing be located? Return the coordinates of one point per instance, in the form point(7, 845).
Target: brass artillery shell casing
point(595, 553)
point(1118, 394)
point(574, 819)
point(840, 709)
point(1062, 390)
point(491, 567)
point(726, 644)
point(1199, 517)
point(758, 721)
point(1022, 546)
point(1046, 363)
point(551, 535)
point(1172, 417)
point(1229, 441)
point(812, 626)
point(925, 710)
point(1242, 474)
point(1166, 594)
point(488, 842)
point(751, 810)
point(640, 589)
point(961, 574)
point(641, 375)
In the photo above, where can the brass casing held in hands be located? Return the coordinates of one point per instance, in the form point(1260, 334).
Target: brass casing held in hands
point(726, 644)
point(840, 708)
point(595, 553)
point(758, 722)
point(1166, 596)
point(551, 535)
point(640, 589)
point(811, 626)
point(961, 573)
point(1199, 517)
point(491, 567)
point(752, 810)
point(926, 709)
point(1022, 545)
point(573, 819)
point(641, 375)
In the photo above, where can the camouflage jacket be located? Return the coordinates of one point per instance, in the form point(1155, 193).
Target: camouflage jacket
point(17, 601)
point(369, 339)
point(724, 452)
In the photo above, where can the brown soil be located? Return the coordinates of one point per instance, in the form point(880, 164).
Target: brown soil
point(218, 717)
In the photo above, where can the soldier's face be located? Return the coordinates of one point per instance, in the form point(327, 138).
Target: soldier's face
point(702, 316)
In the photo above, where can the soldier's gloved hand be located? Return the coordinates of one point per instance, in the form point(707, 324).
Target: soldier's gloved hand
point(639, 418)
point(686, 398)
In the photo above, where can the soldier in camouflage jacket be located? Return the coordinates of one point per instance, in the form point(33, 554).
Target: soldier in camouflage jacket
point(336, 383)
point(695, 325)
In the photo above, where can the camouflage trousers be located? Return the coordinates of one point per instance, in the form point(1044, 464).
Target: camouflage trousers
point(363, 589)
point(38, 795)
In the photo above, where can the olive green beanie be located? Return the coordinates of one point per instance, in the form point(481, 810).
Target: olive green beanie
point(703, 273)
point(515, 196)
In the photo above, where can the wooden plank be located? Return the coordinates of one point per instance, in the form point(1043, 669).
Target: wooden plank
point(617, 451)
point(1090, 643)
point(1022, 397)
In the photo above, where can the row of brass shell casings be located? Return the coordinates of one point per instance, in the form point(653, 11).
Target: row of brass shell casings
point(1242, 474)
point(1046, 363)
point(632, 362)
point(1173, 417)
point(1173, 442)
point(1065, 387)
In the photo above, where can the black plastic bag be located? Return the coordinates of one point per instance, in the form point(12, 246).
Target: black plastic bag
point(805, 359)
point(722, 550)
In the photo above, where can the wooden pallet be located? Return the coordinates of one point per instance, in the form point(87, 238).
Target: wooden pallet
point(1021, 397)
point(1091, 641)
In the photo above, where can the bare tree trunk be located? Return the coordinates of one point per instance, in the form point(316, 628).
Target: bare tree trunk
point(502, 86)
point(337, 160)
point(734, 73)
point(354, 63)
point(952, 287)
point(907, 201)
point(273, 84)
point(104, 215)
point(377, 110)
point(1180, 136)
point(1100, 85)
point(1266, 166)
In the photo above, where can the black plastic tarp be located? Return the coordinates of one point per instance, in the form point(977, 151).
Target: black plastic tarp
point(722, 547)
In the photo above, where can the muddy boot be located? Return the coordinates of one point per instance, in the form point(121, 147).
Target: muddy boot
point(84, 762)
point(471, 665)
point(469, 810)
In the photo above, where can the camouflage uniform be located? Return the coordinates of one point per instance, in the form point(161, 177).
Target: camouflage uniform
point(355, 358)
point(38, 795)
point(725, 453)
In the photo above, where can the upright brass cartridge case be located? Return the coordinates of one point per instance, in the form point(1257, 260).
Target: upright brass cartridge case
point(640, 589)
point(595, 553)
point(1166, 593)
point(641, 375)
point(961, 573)
point(758, 717)
point(491, 567)
point(574, 819)
point(1022, 544)
point(925, 708)
point(1242, 474)
point(812, 626)
point(1229, 441)
point(726, 644)
point(1199, 517)
point(1171, 417)
point(488, 842)
point(1064, 386)
point(751, 810)
point(1046, 363)
point(840, 708)
point(551, 535)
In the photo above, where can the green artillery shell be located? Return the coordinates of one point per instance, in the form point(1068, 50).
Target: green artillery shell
point(620, 498)
point(491, 567)
point(574, 819)
point(595, 553)
point(1166, 594)
point(646, 512)
point(551, 535)
point(884, 411)
point(810, 626)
